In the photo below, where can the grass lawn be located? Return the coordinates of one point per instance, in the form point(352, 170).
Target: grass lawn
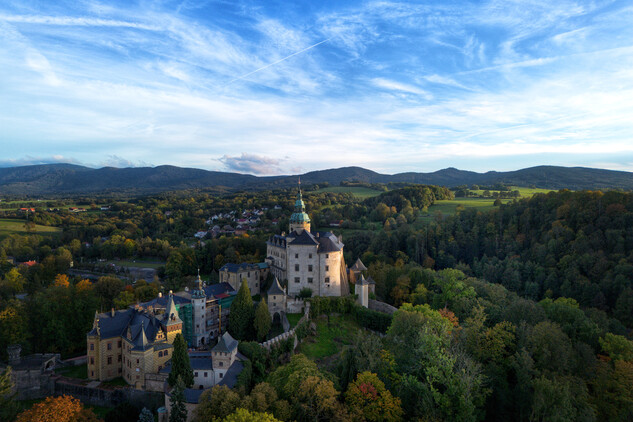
point(329, 340)
point(293, 319)
point(10, 226)
point(117, 382)
point(80, 371)
point(100, 411)
point(136, 263)
point(360, 192)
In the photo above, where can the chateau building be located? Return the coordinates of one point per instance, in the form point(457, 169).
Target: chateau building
point(306, 259)
point(203, 310)
point(134, 342)
point(131, 343)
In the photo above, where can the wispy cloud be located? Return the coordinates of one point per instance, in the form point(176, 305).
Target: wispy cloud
point(384, 84)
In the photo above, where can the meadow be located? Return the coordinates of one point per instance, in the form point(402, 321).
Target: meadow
point(10, 226)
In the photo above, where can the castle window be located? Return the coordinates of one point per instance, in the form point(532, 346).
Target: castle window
point(296, 267)
point(221, 363)
point(119, 359)
point(309, 267)
point(119, 344)
point(221, 375)
point(137, 361)
point(160, 354)
point(310, 280)
point(327, 268)
point(296, 255)
point(205, 374)
point(310, 256)
point(92, 346)
point(248, 274)
point(109, 360)
point(109, 346)
point(92, 360)
point(92, 373)
point(327, 256)
point(166, 352)
point(195, 374)
point(327, 279)
point(297, 279)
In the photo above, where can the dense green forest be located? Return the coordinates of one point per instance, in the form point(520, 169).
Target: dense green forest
point(520, 313)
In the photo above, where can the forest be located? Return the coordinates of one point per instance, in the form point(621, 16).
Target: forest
point(521, 313)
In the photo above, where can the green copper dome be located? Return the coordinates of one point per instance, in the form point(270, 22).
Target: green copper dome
point(300, 215)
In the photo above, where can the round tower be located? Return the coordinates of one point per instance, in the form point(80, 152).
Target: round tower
point(199, 305)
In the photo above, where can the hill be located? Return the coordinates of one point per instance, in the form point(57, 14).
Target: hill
point(69, 179)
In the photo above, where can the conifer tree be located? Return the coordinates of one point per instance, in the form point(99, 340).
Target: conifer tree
point(178, 412)
point(262, 320)
point(146, 415)
point(241, 315)
point(180, 365)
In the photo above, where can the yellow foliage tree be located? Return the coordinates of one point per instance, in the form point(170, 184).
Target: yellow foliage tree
point(58, 409)
point(61, 280)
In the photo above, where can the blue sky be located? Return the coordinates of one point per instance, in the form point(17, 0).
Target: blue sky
point(280, 87)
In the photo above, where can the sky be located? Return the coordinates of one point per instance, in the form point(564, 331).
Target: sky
point(285, 87)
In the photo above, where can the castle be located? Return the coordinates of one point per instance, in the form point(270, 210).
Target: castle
point(307, 260)
point(135, 342)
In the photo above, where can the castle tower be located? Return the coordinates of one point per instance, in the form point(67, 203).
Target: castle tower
point(299, 220)
point(362, 290)
point(172, 320)
point(199, 305)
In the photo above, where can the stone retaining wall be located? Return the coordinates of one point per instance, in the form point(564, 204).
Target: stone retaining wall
point(291, 333)
point(383, 307)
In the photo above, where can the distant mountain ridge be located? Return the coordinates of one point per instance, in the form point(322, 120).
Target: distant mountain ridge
point(70, 179)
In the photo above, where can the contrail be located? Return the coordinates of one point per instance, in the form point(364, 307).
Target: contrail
point(274, 63)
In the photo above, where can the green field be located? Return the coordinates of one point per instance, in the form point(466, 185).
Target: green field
point(11, 226)
point(358, 191)
point(329, 340)
point(293, 319)
point(80, 371)
point(136, 263)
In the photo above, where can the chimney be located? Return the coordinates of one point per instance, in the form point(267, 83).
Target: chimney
point(14, 353)
point(112, 312)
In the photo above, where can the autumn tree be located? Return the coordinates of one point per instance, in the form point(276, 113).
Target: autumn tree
point(61, 280)
point(243, 415)
point(58, 409)
point(367, 399)
point(217, 402)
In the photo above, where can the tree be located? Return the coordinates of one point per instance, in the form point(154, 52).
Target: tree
point(218, 402)
point(243, 415)
point(107, 288)
point(14, 281)
point(262, 320)
point(8, 406)
point(367, 399)
point(617, 347)
point(316, 400)
point(241, 315)
point(58, 409)
point(178, 411)
point(61, 280)
point(146, 415)
point(180, 365)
